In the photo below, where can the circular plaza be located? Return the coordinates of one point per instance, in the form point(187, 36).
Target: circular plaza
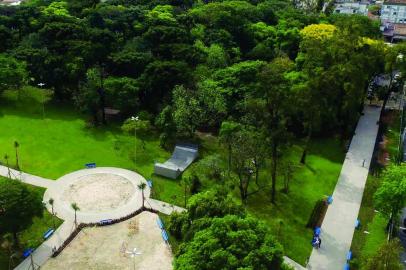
point(100, 193)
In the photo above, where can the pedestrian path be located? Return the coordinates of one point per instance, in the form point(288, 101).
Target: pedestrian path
point(339, 223)
point(163, 207)
point(26, 178)
point(44, 251)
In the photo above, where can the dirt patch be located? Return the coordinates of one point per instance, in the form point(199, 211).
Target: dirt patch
point(104, 248)
point(99, 192)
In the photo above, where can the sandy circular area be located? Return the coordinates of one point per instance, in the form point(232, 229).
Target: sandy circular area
point(99, 192)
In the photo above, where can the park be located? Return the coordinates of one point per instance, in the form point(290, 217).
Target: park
point(198, 135)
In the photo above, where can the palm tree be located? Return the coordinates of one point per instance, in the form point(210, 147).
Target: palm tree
point(142, 187)
point(16, 145)
point(51, 203)
point(6, 157)
point(76, 208)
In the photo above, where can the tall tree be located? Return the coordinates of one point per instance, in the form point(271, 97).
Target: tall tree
point(274, 88)
point(227, 134)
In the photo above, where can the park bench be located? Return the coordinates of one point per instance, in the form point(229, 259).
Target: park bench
point(27, 252)
point(160, 224)
point(90, 165)
point(330, 199)
point(357, 224)
point(48, 233)
point(105, 222)
point(349, 255)
point(317, 231)
point(165, 236)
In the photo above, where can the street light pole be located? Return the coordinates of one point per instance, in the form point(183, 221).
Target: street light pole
point(135, 119)
point(43, 100)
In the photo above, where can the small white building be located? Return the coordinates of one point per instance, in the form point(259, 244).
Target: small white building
point(352, 8)
point(393, 11)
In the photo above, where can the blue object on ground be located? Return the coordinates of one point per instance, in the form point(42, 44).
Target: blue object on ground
point(48, 233)
point(330, 199)
point(357, 224)
point(349, 255)
point(346, 266)
point(105, 221)
point(27, 252)
point(160, 224)
point(165, 236)
point(149, 183)
point(317, 231)
point(90, 165)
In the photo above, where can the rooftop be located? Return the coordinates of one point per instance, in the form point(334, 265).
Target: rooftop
point(395, 2)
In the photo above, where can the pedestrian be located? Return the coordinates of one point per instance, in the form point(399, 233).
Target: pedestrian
point(319, 242)
point(363, 163)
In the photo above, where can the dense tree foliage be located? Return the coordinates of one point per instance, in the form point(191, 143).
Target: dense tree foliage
point(217, 234)
point(18, 206)
point(279, 72)
point(390, 197)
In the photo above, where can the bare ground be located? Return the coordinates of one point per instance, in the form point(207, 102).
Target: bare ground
point(99, 192)
point(102, 248)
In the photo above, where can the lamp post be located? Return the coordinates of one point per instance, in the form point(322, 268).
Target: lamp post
point(135, 119)
point(401, 106)
point(43, 100)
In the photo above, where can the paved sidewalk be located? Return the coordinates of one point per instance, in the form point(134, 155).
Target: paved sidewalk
point(339, 223)
point(26, 178)
point(44, 251)
point(163, 207)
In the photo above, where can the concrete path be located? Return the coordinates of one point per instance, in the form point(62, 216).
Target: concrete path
point(163, 207)
point(26, 178)
point(339, 222)
point(62, 208)
point(292, 263)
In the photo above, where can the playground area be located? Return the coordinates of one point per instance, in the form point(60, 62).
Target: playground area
point(108, 247)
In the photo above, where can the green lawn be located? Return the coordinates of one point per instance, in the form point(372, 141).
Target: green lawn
point(32, 237)
point(311, 182)
point(62, 143)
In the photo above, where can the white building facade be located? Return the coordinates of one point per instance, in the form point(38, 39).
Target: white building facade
point(352, 8)
point(394, 11)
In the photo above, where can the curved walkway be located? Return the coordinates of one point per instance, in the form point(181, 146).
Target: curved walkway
point(62, 209)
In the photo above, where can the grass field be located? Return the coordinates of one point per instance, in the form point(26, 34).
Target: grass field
point(62, 143)
point(311, 182)
point(32, 237)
